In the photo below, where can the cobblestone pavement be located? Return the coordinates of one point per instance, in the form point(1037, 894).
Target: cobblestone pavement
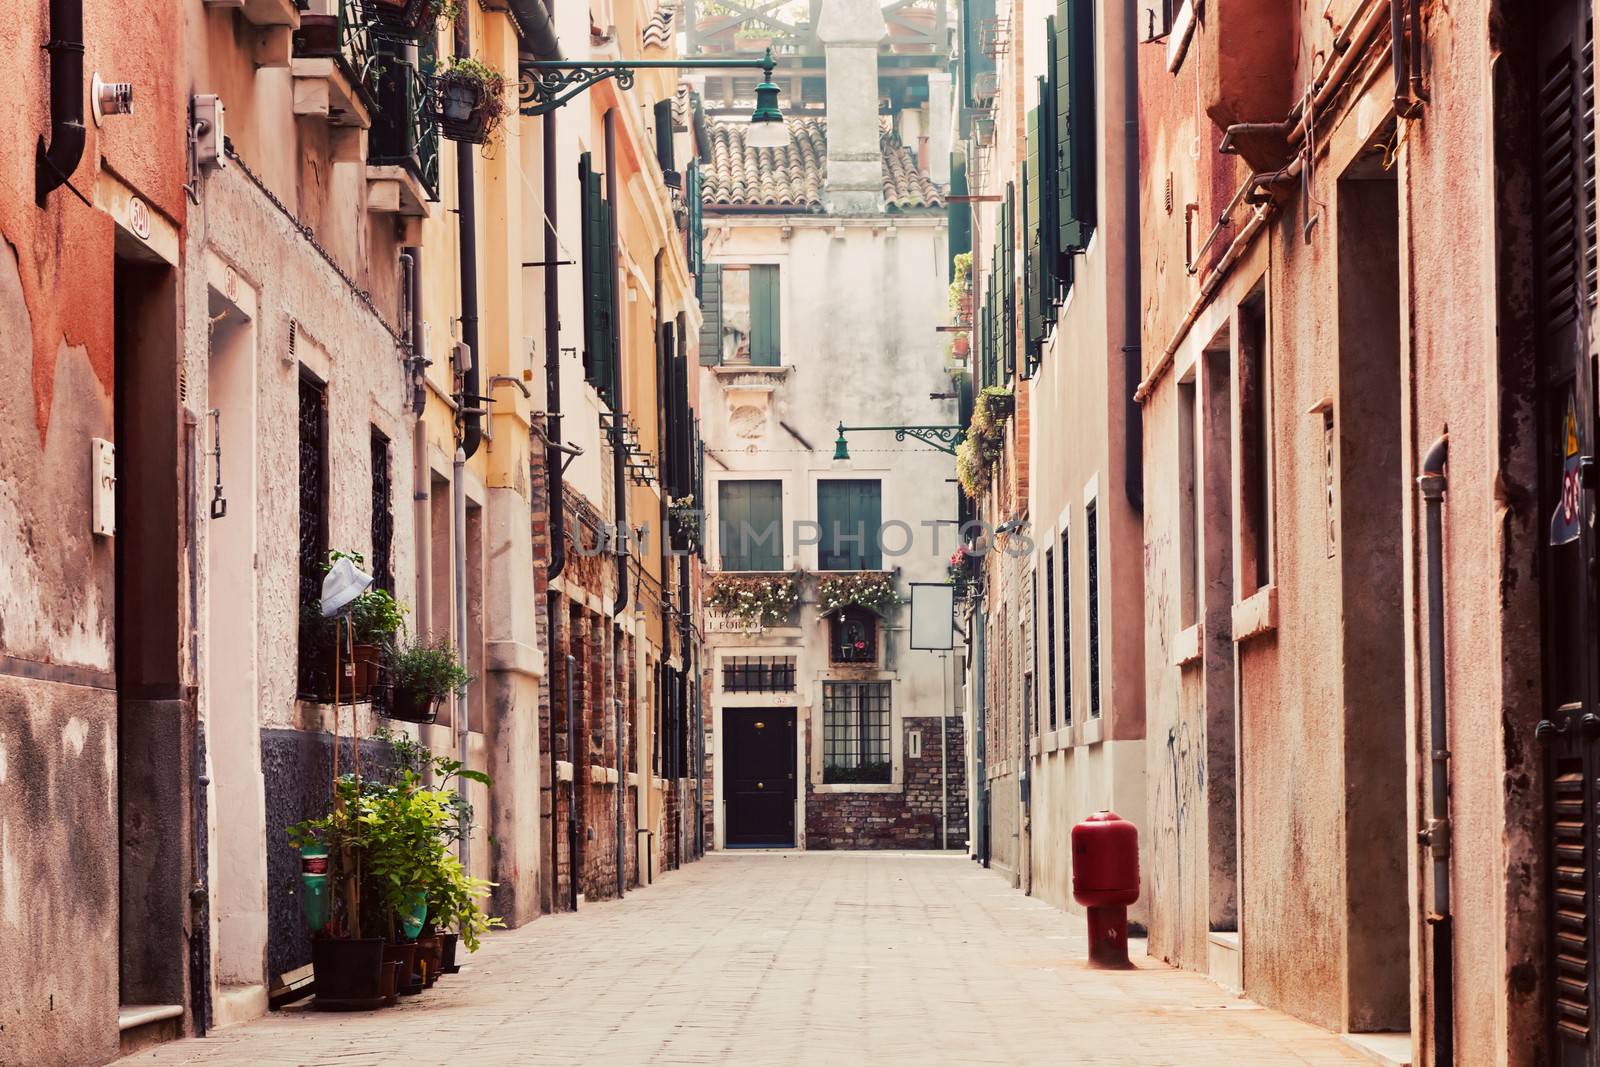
point(789, 958)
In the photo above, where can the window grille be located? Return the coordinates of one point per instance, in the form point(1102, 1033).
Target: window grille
point(315, 677)
point(1050, 630)
point(758, 674)
point(855, 732)
point(382, 513)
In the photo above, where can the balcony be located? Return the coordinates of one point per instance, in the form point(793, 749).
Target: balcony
point(335, 69)
point(403, 144)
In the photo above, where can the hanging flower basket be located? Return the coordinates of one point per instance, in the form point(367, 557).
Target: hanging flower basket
point(765, 600)
point(999, 402)
point(470, 101)
point(684, 519)
point(873, 590)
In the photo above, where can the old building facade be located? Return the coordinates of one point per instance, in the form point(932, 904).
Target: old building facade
point(831, 731)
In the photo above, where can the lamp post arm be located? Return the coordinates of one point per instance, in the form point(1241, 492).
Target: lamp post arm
point(543, 85)
point(943, 438)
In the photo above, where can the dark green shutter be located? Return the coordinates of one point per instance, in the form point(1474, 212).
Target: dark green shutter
point(1035, 297)
point(1051, 275)
point(711, 314)
point(750, 518)
point(975, 58)
point(1008, 252)
point(1075, 122)
point(850, 511)
point(764, 331)
point(599, 282)
point(696, 242)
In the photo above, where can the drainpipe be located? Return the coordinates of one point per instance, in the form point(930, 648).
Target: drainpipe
point(1436, 837)
point(54, 164)
point(573, 865)
point(471, 403)
point(421, 480)
point(459, 489)
point(555, 480)
point(619, 487)
point(980, 637)
point(1132, 358)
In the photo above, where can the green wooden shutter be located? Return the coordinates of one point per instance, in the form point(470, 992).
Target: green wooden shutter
point(711, 314)
point(850, 512)
point(1008, 302)
point(1075, 122)
point(1047, 226)
point(750, 524)
point(1033, 274)
point(599, 271)
point(764, 331)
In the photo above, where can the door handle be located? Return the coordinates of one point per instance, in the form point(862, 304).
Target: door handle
point(1547, 731)
point(1589, 726)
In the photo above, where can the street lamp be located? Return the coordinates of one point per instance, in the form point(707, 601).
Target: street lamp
point(943, 438)
point(546, 84)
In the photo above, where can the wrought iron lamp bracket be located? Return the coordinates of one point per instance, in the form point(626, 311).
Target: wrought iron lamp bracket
point(943, 438)
point(543, 85)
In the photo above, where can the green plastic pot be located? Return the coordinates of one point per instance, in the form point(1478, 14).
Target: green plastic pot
point(315, 899)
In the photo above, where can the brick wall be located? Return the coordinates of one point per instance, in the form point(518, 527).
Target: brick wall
point(905, 819)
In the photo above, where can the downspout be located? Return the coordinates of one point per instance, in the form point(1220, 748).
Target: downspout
point(459, 491)
point(573, 864)
point(53, 165)
point(555, 479)
point(980, 636)
point(1132, 356)
point(422, 482)
point(466, 195)
point(619, 489)
point(1436, 837)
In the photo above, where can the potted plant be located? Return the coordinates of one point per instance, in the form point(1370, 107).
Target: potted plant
point(999, 401)
point(346, 959)
point(471, 100)
point(756, 600)
point(873, 590)
point(685, 519)
point(375, 617)
point(420, 675)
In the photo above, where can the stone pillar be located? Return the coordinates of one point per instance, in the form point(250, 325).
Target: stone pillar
point(851, 31)
point(940, 131)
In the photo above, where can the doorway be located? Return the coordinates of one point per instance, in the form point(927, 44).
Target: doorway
point(1365, 490)
point(759, 775)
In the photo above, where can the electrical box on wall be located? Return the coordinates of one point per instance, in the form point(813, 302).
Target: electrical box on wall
point(103, 471)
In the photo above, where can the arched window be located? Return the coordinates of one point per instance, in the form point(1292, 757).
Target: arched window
point(854, 636)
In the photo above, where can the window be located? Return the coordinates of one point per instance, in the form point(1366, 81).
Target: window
point(749, 315)
point(1188, 510)
point(1073, 79)
point(599, 282)
point(854, 636)
point(1050, 629)
point(1091, 544)
point(850, 512)
point(315, 670)
point(750, 525)
point(382, 513)
point(855, 732)
point(758, 674)
point(1066, 631)
point(1254, 449)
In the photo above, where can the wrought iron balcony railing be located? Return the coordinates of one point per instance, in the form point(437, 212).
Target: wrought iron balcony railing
point(404, 132)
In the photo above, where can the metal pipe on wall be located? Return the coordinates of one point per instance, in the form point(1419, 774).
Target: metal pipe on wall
point(55, 162)
point(572, 806)
point(1132, 351)
point(462, 724)
point(1432, 484)
point(467, 203)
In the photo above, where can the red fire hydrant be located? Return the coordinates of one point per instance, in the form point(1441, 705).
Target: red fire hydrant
point(1105, 879)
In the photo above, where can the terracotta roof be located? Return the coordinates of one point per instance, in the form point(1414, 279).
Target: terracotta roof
point(658, 31)
point(794, 178)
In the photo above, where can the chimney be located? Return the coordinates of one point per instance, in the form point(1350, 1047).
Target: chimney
point(850, 31)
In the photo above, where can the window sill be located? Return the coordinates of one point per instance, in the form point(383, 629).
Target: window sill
point(1256, 615)
point(750, 375)
point(857, 787)
point(1186, 648)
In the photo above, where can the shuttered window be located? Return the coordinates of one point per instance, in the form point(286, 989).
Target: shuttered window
point(711, 314)
point(1034, 295)
point(1075, 123)
point(599, 289)
point(750, 525)
point(764, 327)
point(1008, 280)
point(1054, 273)
point(959, 215)
point(850, 512)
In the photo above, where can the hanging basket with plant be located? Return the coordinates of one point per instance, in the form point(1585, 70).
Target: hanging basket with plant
point(756, 600)
point(684, 521)
point(421, 674)
point(998, 401)
point(977, 455)
point(374, 616)
point(873, 590)
point(470, 100)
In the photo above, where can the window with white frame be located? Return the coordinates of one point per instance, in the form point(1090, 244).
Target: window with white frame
point(856, 723)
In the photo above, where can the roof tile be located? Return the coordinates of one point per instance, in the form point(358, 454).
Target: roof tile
point(794, 178)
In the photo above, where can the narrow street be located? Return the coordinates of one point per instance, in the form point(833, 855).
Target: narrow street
point(822, 957)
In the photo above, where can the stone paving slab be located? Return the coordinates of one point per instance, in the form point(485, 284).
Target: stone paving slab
point(791, 958)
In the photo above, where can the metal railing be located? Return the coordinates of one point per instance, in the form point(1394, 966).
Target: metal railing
point(404, 132)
